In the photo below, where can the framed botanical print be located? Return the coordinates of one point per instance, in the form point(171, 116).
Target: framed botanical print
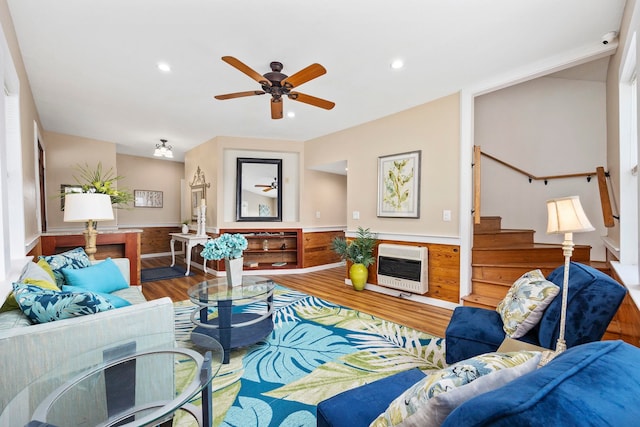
point(399, 185)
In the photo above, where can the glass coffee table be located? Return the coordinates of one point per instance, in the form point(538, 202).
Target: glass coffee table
point(232, 328)
point(139, 382)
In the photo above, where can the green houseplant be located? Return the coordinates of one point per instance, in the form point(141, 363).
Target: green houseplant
point(358, 251)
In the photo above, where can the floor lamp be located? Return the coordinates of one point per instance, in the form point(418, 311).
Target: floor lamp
point(566, 216)
point(88, 207)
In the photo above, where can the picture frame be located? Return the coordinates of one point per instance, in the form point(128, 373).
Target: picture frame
point(147, 199)
point(68, 189)
point(399, 185)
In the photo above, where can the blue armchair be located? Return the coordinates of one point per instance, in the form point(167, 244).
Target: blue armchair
point(592, 302)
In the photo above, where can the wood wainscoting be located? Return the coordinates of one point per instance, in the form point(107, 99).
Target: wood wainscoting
point(316, 248)
point(155, 240)
point(443, 270)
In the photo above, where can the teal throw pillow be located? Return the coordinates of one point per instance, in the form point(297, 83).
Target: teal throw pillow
point(75, 258)
point(115, 300)
point(46, 305)
point(103, 277)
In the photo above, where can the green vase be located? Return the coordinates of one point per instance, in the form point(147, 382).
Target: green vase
point(358, 274)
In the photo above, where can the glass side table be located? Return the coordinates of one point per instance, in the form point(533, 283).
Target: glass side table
point(139, 382)
point(231, 328)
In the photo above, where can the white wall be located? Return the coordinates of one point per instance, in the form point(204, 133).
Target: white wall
point(547, 126)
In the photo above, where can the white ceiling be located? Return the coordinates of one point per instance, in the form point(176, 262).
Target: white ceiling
point(92, 65)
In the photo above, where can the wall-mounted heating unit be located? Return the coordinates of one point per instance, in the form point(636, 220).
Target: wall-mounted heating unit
point(403, 267)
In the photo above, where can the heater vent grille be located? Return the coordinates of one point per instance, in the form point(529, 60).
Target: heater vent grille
point(403, 267)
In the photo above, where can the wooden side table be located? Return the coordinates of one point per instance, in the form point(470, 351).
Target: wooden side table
point(190, 240)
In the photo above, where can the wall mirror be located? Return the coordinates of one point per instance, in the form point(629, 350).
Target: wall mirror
point(258, 189)
point(198, 192)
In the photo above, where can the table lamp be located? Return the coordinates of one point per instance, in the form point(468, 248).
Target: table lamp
point(88, 207)
point(565, 215)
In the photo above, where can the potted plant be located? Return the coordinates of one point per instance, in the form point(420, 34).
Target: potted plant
point(97, 181)
point(358, 251)
point(228, 247)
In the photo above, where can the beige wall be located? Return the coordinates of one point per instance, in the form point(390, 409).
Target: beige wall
point(546, 127)
point(324, 194)
point(433, 128)
point(64, 153)
point(28, 121)
point(142, 173)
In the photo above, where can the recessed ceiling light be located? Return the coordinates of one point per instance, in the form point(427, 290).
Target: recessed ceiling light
point(291, 114)
point(397, 64)
point(163, 66)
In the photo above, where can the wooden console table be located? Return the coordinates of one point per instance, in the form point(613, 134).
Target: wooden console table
point(111, 243)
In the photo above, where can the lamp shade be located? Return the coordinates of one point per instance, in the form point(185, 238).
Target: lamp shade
point(565, 215)
point(81, 207)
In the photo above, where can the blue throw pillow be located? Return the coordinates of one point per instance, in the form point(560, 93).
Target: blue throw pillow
point(75, 258)
point(103, 277)
point(46, 305)
point(115, 300)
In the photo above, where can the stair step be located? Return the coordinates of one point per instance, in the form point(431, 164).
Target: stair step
point(490, 289)
point(502, 238)
point(488, 223)
point(509, 273)
point(541, 252)
point(482, 301)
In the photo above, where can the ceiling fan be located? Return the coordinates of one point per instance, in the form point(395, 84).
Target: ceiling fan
point(278, 85)
point(269, 187)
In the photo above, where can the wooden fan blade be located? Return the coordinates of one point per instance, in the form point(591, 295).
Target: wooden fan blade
point(303, 76)
point(312, 100)
point(276, 108)
point(239, 94)
point(267, 189)
point(247, 70)
point(262, 185)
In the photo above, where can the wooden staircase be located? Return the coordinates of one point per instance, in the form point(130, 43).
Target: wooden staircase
point(500, 256)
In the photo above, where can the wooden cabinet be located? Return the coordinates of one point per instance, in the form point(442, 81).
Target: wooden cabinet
point(271, 248)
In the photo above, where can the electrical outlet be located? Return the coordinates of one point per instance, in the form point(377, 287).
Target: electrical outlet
point(317, 214)
point(446, 215)
point(356, 214)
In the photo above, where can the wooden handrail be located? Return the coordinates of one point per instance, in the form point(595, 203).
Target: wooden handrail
point(607, 214)
point(476, 183)
point(540, 178)
point(605, 200)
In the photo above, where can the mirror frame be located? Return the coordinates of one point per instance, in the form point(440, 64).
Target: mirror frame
point(198, 192)
point(240, 162)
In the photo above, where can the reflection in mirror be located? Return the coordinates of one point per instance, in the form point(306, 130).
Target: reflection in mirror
point(258, 189)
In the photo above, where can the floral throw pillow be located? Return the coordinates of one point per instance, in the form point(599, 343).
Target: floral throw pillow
point(75, 258)
point(524, 304)
point(464, 372)
point(46, 305)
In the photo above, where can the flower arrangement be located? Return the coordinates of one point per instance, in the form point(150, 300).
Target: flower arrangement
point(224, 246)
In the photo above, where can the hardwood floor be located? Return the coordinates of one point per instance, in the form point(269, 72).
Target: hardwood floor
point(326, 284)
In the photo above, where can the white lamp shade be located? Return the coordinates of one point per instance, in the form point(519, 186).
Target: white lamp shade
point(81, 207)
point(565, 215)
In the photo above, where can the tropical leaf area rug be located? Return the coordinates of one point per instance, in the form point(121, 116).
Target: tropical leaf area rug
point(316, 350)
point(162, 273)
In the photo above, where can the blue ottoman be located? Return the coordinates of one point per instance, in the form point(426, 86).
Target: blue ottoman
point(360, 406)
